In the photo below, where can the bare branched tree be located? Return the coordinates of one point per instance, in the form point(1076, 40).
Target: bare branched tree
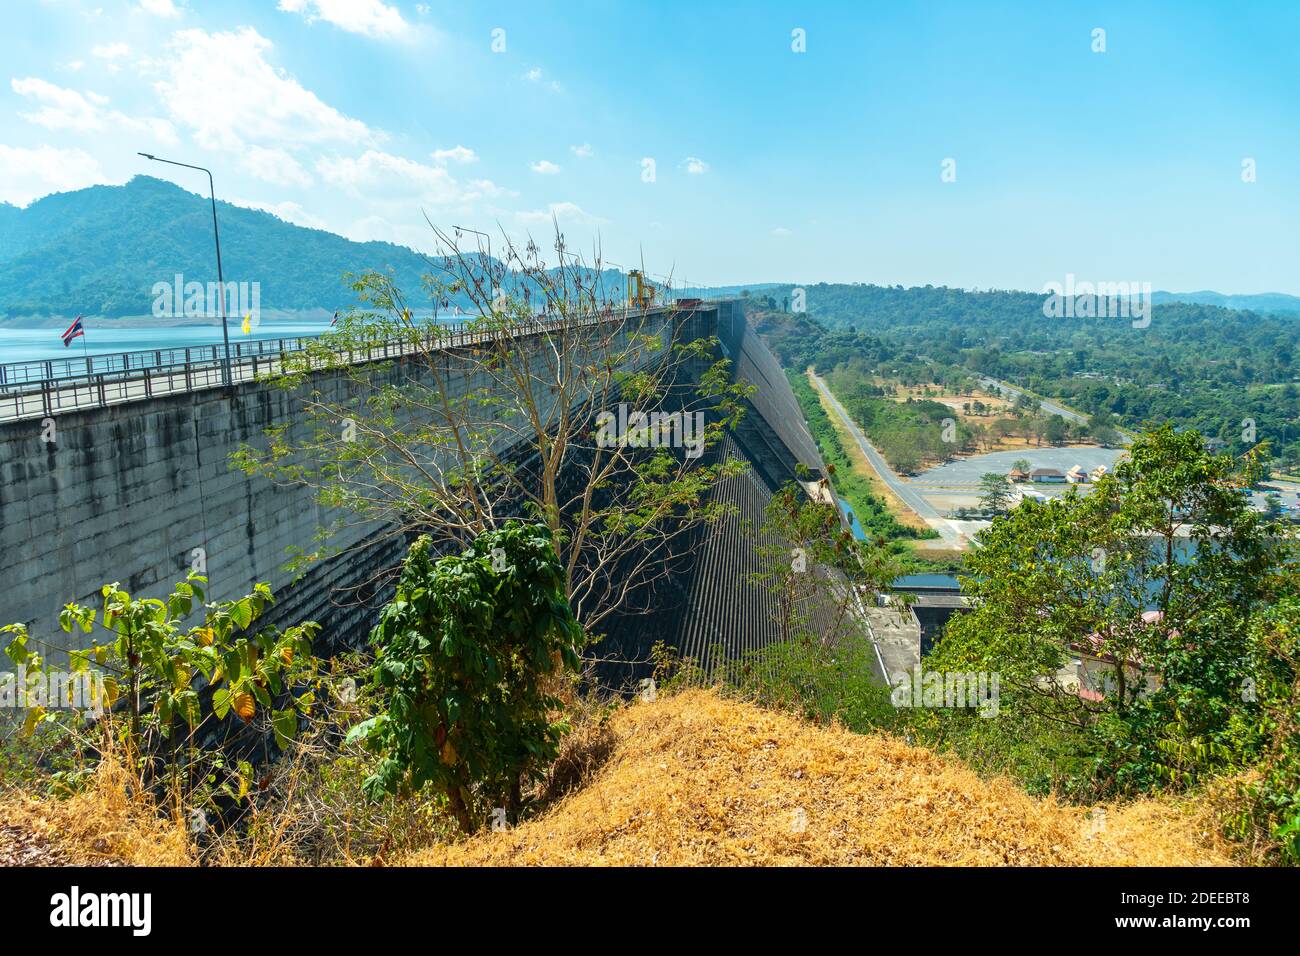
point(523, 388)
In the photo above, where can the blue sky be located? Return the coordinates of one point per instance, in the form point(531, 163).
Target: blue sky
point(770, 164)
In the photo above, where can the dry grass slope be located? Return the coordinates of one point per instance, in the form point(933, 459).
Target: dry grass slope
point(699, 779)
point(111, 824)
point(696, 779)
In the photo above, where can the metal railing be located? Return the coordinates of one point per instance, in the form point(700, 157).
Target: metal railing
point(35, 371)
point(43, 388)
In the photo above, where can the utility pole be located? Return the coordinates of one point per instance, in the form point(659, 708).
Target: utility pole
point(216, 235)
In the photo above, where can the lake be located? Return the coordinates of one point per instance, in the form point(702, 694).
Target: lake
point(22, 345)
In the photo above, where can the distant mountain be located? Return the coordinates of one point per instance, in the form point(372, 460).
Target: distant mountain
point(100, 250)
point(1275, 302)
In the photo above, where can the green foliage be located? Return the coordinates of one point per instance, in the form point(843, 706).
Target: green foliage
point(151, 668)
point(806, 560)
point(817, 682)
point(1164, 576)
point(1269, 811)
point(872, 513)
point(468, 656)
point(100, 251)
point(995, 493)
point(1202, 367)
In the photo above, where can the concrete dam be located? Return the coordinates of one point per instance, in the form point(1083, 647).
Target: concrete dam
point(124, 474)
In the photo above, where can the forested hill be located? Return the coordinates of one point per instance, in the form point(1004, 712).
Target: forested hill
point(1228, 373)
point(100, 250)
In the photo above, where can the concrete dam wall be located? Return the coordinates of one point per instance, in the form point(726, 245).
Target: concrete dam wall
point(137, 492)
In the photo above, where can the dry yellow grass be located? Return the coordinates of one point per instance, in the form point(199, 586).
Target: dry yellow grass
point(111, 823)
point(700, 779)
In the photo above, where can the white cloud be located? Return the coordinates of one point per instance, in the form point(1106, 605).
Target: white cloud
point(288, 211)
point(371, 18)
point(273, 165)
point(378, 229)
point(111, 51)
point(536, 75)
point(485, 187)
point(75, 65)
point(382, 176)
point(457, 154)
point(544, 167)
point(26, 174)
point(562, 212)
point(160, 8)
point(695, 166)
point(65, 109)
point(582, 152)
point(60, 108)
point(781, 231)
point(222, 87)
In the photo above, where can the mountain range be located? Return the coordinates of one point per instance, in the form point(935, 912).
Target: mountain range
point(99, 251)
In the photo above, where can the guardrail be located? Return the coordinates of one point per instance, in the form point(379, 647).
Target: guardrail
point(48, 387)
point(102, 363)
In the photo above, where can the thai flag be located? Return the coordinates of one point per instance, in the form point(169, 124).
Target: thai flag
point(333, 320)
point(74, 330)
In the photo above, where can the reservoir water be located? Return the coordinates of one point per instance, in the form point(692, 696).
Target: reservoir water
point(22, 345)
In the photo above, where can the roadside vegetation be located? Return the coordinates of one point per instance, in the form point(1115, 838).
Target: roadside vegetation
point(873, 513)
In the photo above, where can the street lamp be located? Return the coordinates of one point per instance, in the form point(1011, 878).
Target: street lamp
point(493, 287)
point(221, 282)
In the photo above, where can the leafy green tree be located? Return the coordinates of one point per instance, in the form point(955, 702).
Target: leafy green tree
point(469, 657)
point(1269, 813)
point(1169, 532)
point(1057, 430)
point(455, 440)
point(800, 541)
point(995, 493)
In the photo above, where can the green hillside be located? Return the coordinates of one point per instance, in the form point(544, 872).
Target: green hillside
point(100, 250)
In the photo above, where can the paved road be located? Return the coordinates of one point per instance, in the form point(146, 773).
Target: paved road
point(910, 496)
point(1051, 408)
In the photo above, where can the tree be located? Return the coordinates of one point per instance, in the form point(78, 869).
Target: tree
point(995, 493)
point(468, 657)
point(1101, 426)
point(1027, 404)
point(1160, 572)
point(170, 682)
point(452, 443)
point(1056, 430)
point(816, 570)
point(1021, 464)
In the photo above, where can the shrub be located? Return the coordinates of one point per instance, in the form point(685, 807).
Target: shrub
point(468, 655)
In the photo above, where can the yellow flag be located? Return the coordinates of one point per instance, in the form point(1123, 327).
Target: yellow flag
point(248, 324)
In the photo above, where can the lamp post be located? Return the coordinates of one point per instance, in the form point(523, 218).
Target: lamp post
point(216, 235)
point(493, 288)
